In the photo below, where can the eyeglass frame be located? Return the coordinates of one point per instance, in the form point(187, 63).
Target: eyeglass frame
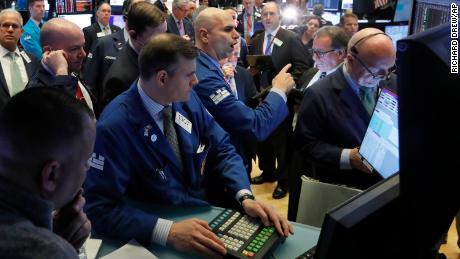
point(374, 76)
point(13, 25)
point(321, 54)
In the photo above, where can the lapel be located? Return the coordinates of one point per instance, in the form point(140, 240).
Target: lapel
point(29, 65)
point(3, 81)
point(276, 49)
point(349, 97)
point(146, 127)
point(173, 26)
point(210, 66)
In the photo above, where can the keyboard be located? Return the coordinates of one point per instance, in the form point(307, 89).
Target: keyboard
point(309, 254)
point(244, 236)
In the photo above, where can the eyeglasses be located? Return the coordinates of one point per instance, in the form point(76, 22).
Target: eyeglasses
point(320, 53)
point(386, 76)
point(6, 26)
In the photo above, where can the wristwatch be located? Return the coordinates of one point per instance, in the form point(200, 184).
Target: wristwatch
point(246, 196)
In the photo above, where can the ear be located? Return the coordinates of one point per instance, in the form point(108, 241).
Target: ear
point(204, 35)
point(161, 77)
point(132, 34)
point(49, 177)
point(349, 58)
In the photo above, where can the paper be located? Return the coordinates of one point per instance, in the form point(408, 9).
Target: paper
point(131, 250)
point(92, 247)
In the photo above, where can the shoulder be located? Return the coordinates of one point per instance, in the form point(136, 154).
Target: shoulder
point(114, 28)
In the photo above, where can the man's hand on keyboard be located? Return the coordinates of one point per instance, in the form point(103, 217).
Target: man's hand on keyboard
point(268, 215)
point(195, 236)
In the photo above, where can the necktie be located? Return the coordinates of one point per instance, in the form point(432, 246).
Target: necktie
point(249, 24)
point(179, 26)
point(367, 98)
point(170, 132)
point(268, 50)
point(106, 30)
point(17, 84)
point(322, 75)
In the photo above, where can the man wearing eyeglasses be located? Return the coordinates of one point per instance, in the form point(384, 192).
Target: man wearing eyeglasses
point(336, 111)
point(17, 66)
point(177, 22)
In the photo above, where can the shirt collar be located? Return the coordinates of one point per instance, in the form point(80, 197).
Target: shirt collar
point(4, 51)
point(101, 26)
point(126, 34)
point(273, 33)
point(36, 22)
point(350, 80)
point(214, 61)
point(153, 108)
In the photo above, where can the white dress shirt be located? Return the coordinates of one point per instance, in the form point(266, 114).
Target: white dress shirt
point(273, 36)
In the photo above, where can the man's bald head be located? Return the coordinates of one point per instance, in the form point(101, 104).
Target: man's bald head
point(57, 29)
point(208, 18)
point(370, 55)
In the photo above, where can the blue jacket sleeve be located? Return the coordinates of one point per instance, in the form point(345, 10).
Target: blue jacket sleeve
point(234, 116)
point(105, 186)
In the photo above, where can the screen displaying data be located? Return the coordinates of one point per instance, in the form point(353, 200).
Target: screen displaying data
point(397, 32)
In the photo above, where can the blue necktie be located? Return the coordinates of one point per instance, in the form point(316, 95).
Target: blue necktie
point(268, 50)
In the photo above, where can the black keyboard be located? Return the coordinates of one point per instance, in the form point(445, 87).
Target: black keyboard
point(244, 236)
point(309, 254)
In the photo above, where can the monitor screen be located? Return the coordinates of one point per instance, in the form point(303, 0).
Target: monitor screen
point(366, 226)
point(347, 4)
point(403, 11)
point(329, 5)
point(117, 2)
point(379, 148)
point(117, 20)
point(397, 32)
point(82, 20)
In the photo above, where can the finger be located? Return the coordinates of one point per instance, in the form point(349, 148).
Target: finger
point(260, 210)
point(82, 234)
point(77, 222)
point(286, 68)
point(212, 236)
point(287, 228)
point(218, 247)
point(275, 219)
point(203, 223)
point(203, 250)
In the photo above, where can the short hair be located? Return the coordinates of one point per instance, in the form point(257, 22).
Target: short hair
point(37, 124)
point(162, 53)
point(142, 15)
point(32, 2)
point(100, 3)
point(339, 38)
point(318, 9)
point(313, 17)
point(347, 15)
point(179, 3)
point(10, 10)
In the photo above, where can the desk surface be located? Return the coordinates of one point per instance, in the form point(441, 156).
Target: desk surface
point(304, 236)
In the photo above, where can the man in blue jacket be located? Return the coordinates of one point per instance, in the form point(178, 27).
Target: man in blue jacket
point(30, 39)
point(152, 144)
point(216, 37)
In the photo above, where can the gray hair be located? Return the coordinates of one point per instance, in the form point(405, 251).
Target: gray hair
point(10, 10)
point(179, 3)
point(339, 38)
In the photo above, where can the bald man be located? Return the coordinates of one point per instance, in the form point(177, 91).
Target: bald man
point(216, 37)
point(62, 42)
point(336, 111)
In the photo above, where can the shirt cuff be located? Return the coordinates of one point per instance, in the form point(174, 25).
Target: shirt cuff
point(161, 231)
point(283, 94)
point(345, 159)
point(242, 192)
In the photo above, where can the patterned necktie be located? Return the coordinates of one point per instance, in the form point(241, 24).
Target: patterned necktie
point(367, 98)
point(106, 30)
point(322, 75)
point(179, 26)
point(170, 132)
point(17, 84)
point(268, 50)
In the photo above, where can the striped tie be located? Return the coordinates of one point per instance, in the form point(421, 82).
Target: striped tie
point(170, 132)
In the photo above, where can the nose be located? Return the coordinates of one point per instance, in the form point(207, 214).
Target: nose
point(194, 80)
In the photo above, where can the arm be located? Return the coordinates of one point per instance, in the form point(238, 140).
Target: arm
point(92, 67)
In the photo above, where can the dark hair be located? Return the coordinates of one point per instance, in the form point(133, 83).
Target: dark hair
point(142, 15)
point(38, 123)
point(32, 2)
point(339, 38)
point(347, 15)
point(99, 4)
point(162, 53)
point(313, 17)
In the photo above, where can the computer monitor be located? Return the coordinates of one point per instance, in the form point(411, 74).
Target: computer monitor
point(329, 5)
point(397, 32)
point(116, 2)
point(117, 20)
point(403, 10)
point(380, 146)
point(430, 13)
point(82, 20)
point(366, 226)
point(365, 9)
point(429, 95)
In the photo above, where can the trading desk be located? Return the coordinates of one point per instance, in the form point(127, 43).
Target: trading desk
point(304, 236)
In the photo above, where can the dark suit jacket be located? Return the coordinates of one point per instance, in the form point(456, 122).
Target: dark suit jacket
point(100, 59)
point(258, 26)
point(121, 74)
point(172, 27)
point(91, 32)
point(331, 118)
point(68, 83)
point(244, 84)
point(290, 51)
point(31, 69)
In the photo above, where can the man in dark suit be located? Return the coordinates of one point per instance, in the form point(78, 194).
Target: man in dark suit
point(17, 66)
point(101, 27)
point(144, 21)
point(335, 112)
point(284, 47)
point(161, 5)
point(177, 22)
point(249, 21)
point(62, 42)
point(103, 54)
